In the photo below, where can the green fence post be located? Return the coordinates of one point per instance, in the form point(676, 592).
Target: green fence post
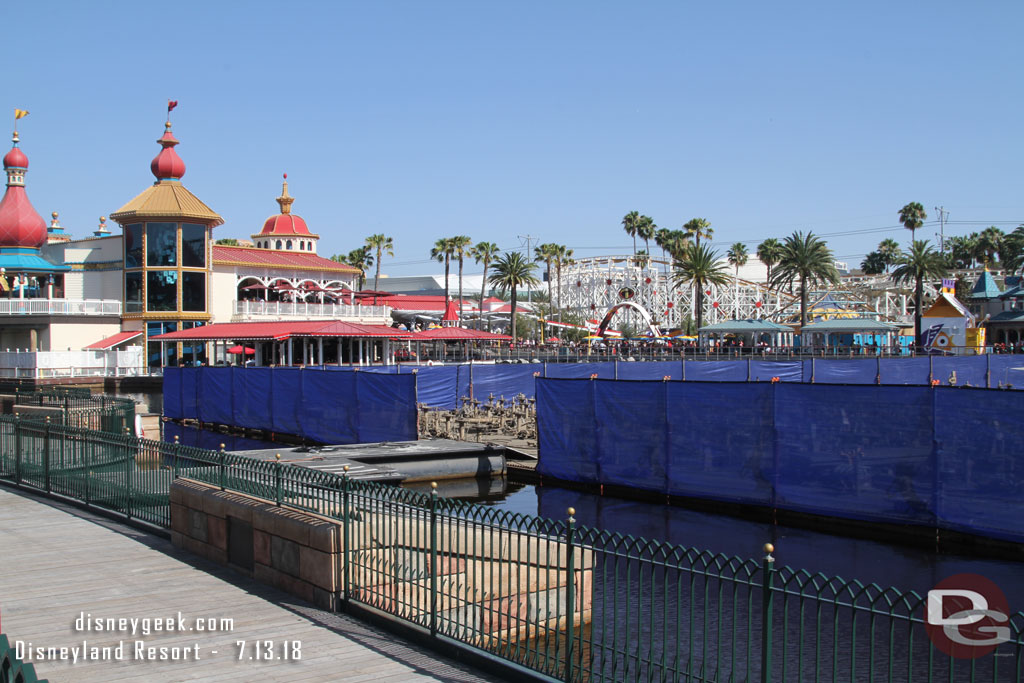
point(222, 456)
point(767, 596)
point(46, 455)
point(174, 457)
point(433, 558)
point(277, 479)
point(90, 447)
point(345, 523)
point(129, 460)
point(570, 593)
point(17, 449)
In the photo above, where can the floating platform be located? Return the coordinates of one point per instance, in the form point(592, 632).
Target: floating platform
point(395, 461)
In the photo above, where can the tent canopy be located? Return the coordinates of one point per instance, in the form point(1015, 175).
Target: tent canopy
point(745, 327)
point(844, 325)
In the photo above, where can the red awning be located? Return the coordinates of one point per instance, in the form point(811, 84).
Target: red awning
point(112, 341)
point(273, 331)
point(458, 334)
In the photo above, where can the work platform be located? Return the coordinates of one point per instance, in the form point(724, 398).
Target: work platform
point(397, 461)
point(60, 562)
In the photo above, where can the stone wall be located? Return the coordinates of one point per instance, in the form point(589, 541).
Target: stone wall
point(295, 551)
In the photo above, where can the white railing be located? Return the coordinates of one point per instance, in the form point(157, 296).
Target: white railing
point(48, 364)
point(247, 309)
point(60, 307)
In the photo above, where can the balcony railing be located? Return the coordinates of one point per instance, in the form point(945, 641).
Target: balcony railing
point(60, 307)
point(247, 309)
point(53, 364)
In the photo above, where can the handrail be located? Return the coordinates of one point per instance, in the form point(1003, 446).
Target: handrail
point(60, 307)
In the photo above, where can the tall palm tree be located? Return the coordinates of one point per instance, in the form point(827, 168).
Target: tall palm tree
point(697, 228)
point(912, 217)
point(563, 256)
point(889, 250)
point(546, 253)
point(737, 257)
point(698, 266)
point(990, 243)
point(460, 250)
point(360, 258)
point(873, 264)
point(484, 252)
point(919, 262)
point(442, 253)
point(769, 252)
point(677, 241)
point(629, 224)
point(381, 245)
point(645, 230)
point(805, 257)
point(1011, 255)
point(511, 271)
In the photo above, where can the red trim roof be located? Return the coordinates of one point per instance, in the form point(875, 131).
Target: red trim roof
point(271, 331)
point(285, 224)
point(451, 313)
point(458, 334)
point(269, 257)
point(113, 340)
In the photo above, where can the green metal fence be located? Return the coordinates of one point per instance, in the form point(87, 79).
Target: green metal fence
point(75, 408)
point(563, 600)
point(12, 669)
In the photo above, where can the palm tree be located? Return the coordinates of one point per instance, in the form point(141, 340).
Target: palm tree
point(360, 258)
point(460, 250)
point(889, 250)
point(805, 257)
point(697, 228)
point(629, 224)
point(677, 241)
point(484, 252)
point(961, 250)
point(918, 263)
point(546, 253)
point(511, 271)
point(737, 257)
point(699, 266)
point(563, 256)
point(768, 252)
point(645, 230)
point(873, 264)
point(442, 253)
point(1011, 254)
point(990, 242)
point(662, 237)
point(912, 217)
point(381, 245)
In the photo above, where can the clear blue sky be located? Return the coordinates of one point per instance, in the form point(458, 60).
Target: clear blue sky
point(430, 119)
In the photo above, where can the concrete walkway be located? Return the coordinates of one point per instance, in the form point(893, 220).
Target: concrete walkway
point(59, 563)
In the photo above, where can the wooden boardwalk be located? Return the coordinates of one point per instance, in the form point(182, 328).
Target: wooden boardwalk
point(58, 562)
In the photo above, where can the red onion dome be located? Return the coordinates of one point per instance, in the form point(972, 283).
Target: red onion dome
point(167, 165)
point(20, 224)
point(15, 158)
point(285, 224)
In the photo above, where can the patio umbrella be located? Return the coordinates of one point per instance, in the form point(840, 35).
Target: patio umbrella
point(238, 349)
point(255, 286)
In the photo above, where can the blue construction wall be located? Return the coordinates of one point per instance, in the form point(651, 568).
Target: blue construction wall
point(329, 407)
point(948, 458)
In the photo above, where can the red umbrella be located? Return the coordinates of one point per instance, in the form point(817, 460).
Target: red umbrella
point(238, 349)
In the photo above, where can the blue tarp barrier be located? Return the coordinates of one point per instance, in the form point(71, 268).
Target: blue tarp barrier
point(855, 452)
point(172, 394)
point(566, 428)
point(328, 413)
point(286, 388)
point(785, 370)
point(979, 437)
point(630, 444)
point(214, 393)
point(970, 370)
point(253, 397)
point(385, 407)
point(720, 442)
point(579, 370)
point(716, 371)
point(850, 371)
point(462, 383)
point(503, 380)
point(190, 392)
point(905, 371)
point(1006, 370)
point(646, 370)
point(436, 386)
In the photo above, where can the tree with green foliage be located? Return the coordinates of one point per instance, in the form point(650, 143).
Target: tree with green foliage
point(563, 256)
point(512, 270)
point(737, 257)
point(1011, 255)
point(695, 228)
point(545, 253)
point(768, 252)
point(990, 243)
point(698, 266)
point(461, 248)
point(807, 259)
point(484, 252)
point(873, 264)
point(962, 249)
point(442, 253)
point(645, 230)
point(380, 244)
point(918, 263)
point(912, 216)
point(227, 242)
point(889, 250)
point(630, 222)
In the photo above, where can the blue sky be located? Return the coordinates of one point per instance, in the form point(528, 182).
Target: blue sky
point(552, 119)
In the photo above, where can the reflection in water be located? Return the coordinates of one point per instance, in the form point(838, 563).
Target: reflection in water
point(483, 491)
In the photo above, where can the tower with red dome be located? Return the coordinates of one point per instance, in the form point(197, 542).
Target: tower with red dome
point(168, 234)
point(286, 231)
point(25, 273)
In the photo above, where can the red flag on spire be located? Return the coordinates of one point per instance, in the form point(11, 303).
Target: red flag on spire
point(171, 104)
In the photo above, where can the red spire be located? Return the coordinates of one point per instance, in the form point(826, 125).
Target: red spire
point(167, 165)
point(20, 224)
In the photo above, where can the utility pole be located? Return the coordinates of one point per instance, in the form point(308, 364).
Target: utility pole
point(943, 215)
point(529, 239)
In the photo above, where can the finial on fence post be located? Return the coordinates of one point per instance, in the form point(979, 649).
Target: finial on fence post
point(176, 438)
point(277, 456)
point(572, 513)
point(768, 550)
point(222, 448)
